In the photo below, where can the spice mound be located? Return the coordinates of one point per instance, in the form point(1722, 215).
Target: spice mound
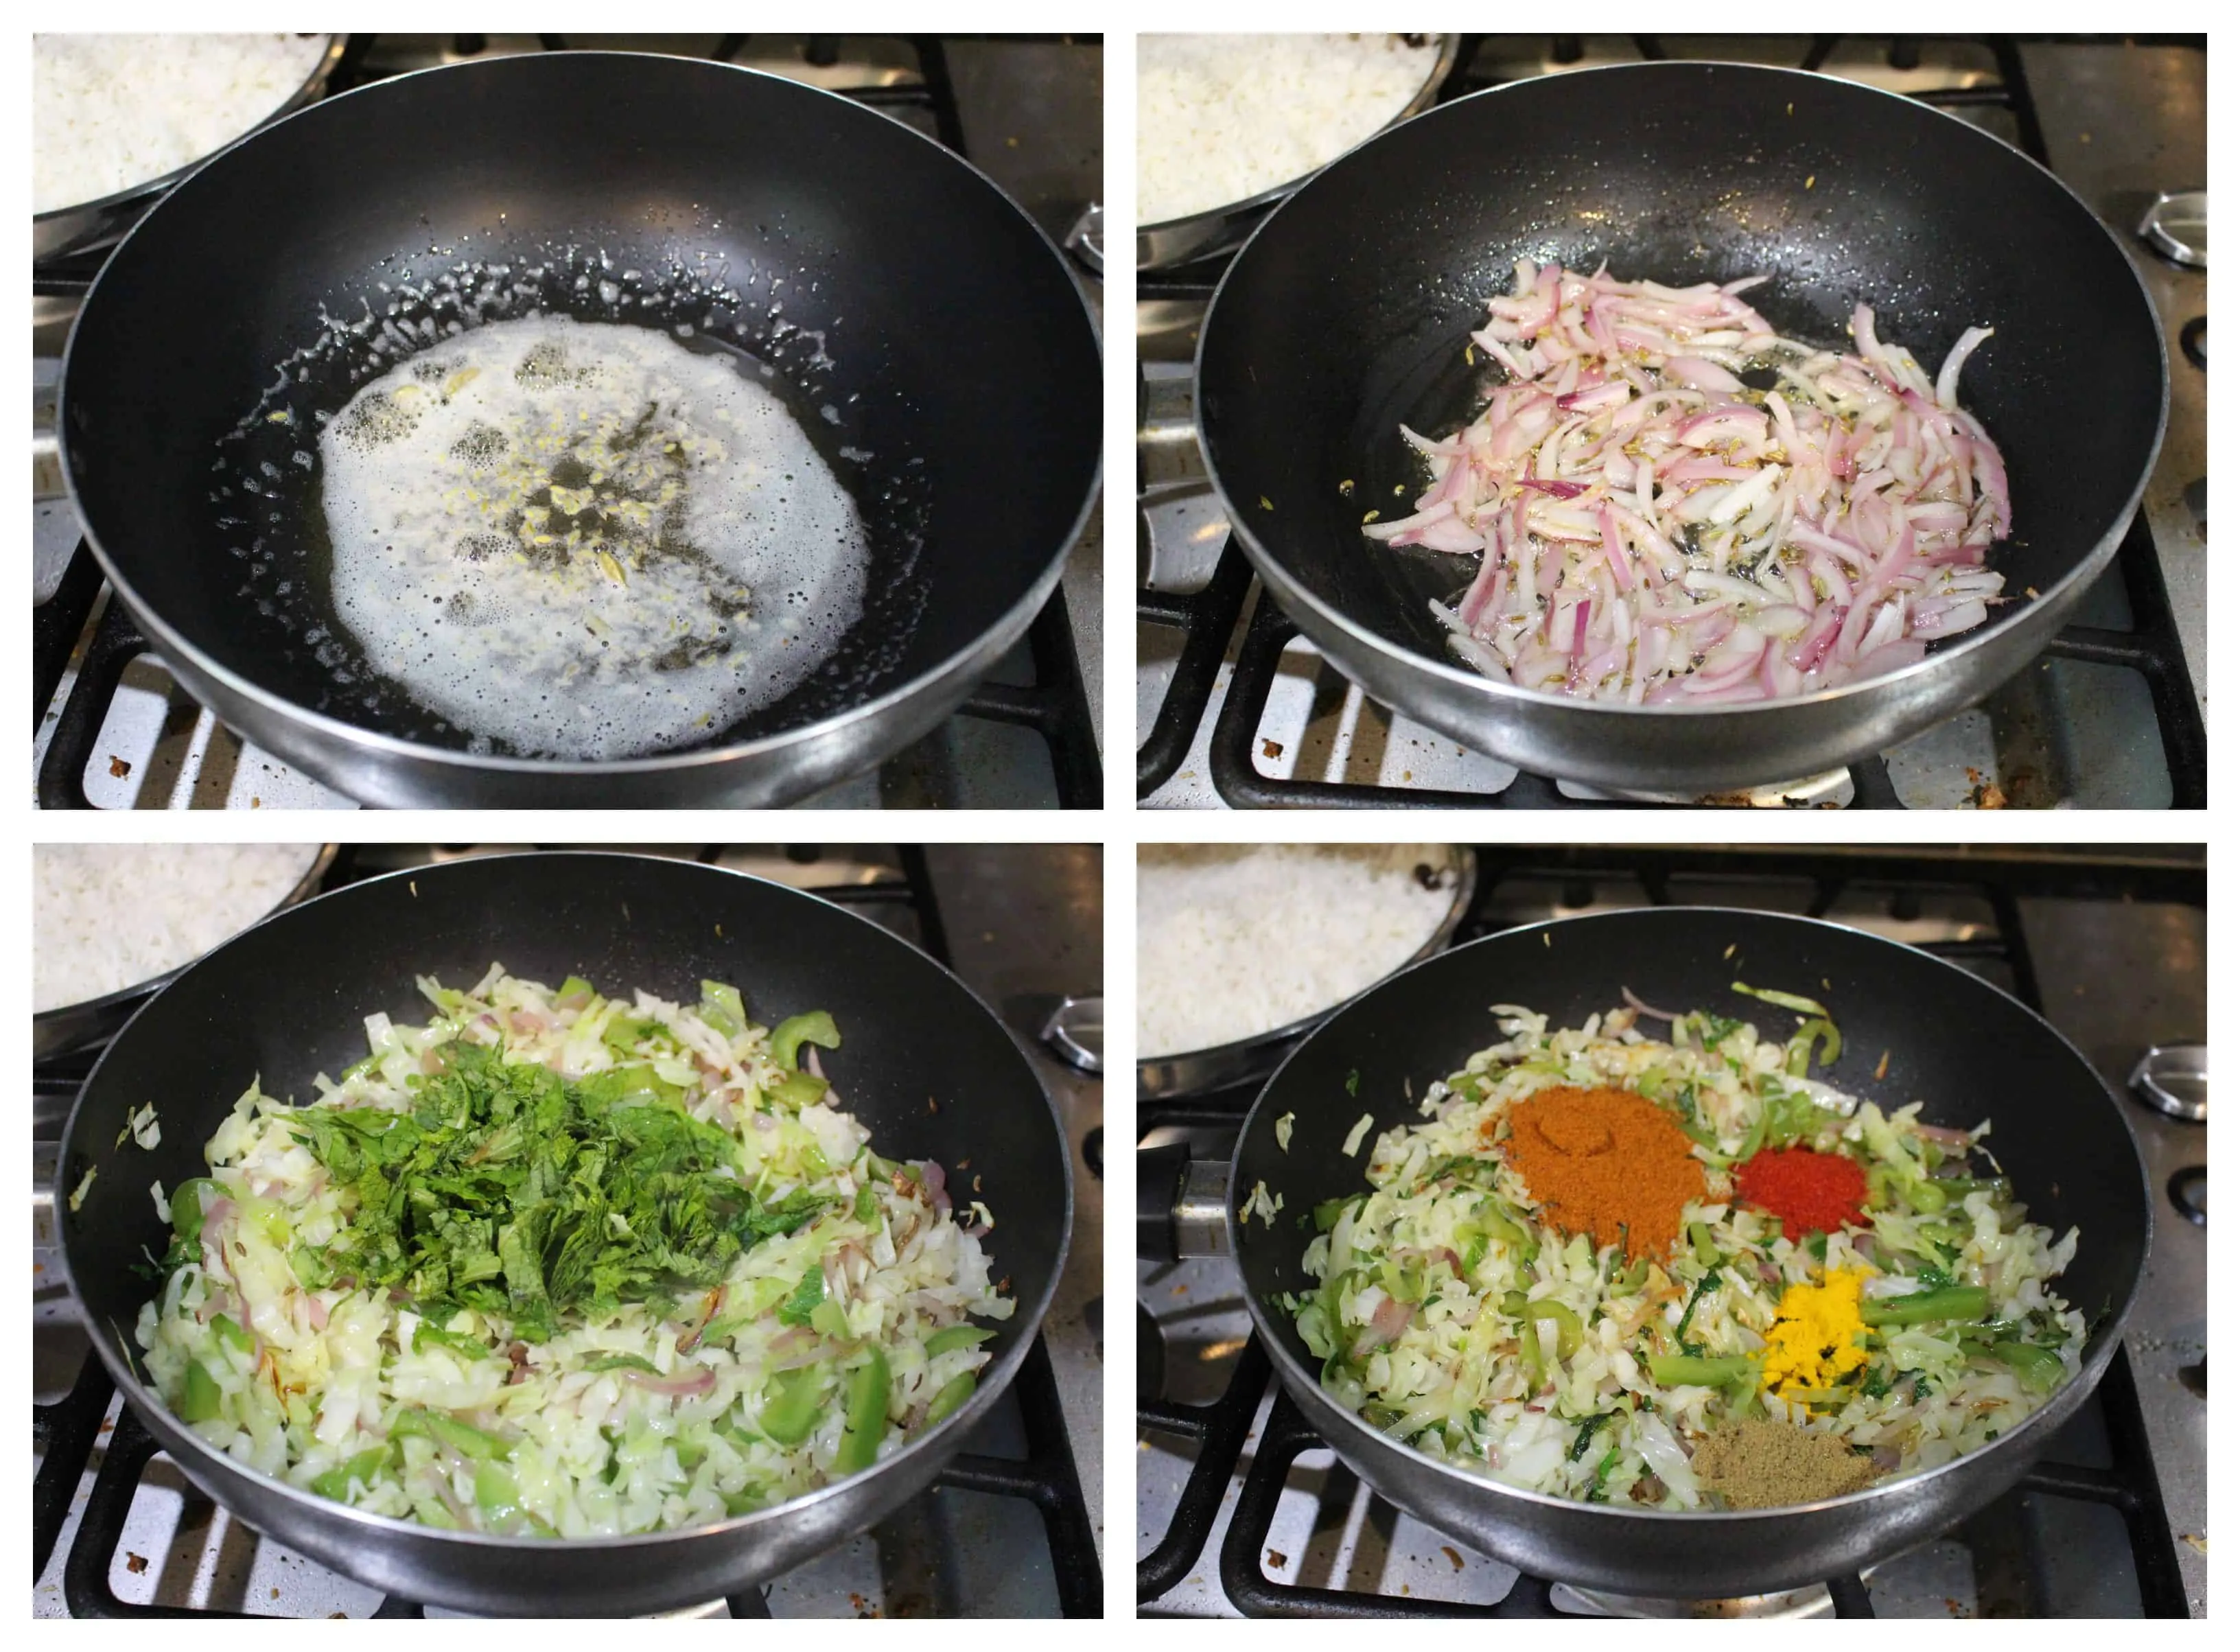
point(1768, 1465)
point(1607, 1163)
point(1814, 1341)
point(1809, 1192)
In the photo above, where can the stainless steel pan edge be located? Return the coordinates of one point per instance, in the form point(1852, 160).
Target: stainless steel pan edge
point(1654, 1552)
point(643, 1573)
point(1673, 750)
point(1160, 1078)
point(384, 772)
point(1161, 246)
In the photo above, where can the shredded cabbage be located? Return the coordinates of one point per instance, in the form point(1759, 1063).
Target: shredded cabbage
point(817, 1322)
point(1523, 1354)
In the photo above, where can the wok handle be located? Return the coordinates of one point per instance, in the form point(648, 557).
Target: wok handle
point(1182, 1205)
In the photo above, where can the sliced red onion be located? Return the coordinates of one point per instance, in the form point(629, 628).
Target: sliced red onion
point(699, 1380)
point(1385, 1327)
point(1650, 1011)
point(1845, 516)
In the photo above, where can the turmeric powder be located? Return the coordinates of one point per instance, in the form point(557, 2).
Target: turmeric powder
point(1815, 1336)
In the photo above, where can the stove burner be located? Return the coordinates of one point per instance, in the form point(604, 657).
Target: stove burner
point(2188, 1191)
point(2174, 1079)
point(2177, 226)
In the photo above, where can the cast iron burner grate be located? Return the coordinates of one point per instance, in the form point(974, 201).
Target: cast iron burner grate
point(66, 1434)
point(1221, 1430)
point(1054, 705)
point(1207, 618)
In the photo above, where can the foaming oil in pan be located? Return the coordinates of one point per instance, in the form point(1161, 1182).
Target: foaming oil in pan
point(270, 497)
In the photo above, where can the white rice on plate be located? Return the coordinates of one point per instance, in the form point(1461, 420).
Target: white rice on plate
point(112, 111)
point(105, 916)
point(1221, 118)
point(1233, 942)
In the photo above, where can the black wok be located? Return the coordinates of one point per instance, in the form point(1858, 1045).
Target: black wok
point(1966, 1049)
point(913, 314)
point(287, 1000)
point(1347, 314)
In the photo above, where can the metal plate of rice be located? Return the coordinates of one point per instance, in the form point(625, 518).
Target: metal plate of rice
point(1243, 949)
point(112, 922)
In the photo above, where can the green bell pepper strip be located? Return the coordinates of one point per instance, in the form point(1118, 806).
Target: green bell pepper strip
point(1685, 1370)
point(797, 1090)
point(187, 1208)
point(1512, 1233)
point(789, 1035)
point(2039, 1369)
point(1927, 1197)
point(791, 1412)
point(1954, 1302)
point(869, 1387)
point(1700, 1240)
point(201, 1399)
point(1785, 1000)
point(577, 988)
point(495, 1494)
point(1820, 1030)
point(956, 1337)
point(232, 1336)
point(1961, 1186)
point(1569, 1333)
point(722, 1008)
point(463, 1437)
point(335, 1483)
point(953, 1394)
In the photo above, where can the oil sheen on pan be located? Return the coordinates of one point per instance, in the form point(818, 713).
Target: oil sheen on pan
point(585, 541)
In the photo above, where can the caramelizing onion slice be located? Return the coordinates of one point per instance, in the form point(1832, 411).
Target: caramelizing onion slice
point(1651, 529)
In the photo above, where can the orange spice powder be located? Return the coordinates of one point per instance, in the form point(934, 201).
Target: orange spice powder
point(1605, 1162)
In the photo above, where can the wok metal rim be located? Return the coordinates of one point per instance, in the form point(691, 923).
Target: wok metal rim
point(1340, 1426)
point(304, 886)
point(1208, 218)
point(2061, 595)
point(1009, 626)
point(298, 99)
point(1239, 1059)
point(210, 1467)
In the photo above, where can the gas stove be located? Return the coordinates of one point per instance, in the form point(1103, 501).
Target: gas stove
point(112, 729)
point(1233, 708)
point(1014, 1526)
point(1241, 1507)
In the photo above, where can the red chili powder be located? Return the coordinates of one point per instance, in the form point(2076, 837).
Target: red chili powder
point(1807, 1190)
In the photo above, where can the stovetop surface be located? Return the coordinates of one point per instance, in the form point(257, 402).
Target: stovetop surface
point(2118, 122)
point(1023, 927)
point(1027, 112)
point(2117, 960)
